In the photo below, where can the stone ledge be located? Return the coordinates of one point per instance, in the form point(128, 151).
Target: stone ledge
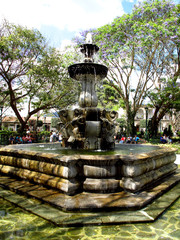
point(67, 186)
point(140, 182)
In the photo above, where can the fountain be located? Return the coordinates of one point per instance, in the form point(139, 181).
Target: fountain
point(89, 173)
point(88, 127)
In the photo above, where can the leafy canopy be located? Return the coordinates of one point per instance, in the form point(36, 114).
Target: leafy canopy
point(32, 72)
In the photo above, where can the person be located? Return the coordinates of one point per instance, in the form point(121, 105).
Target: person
point(20, 141)
point(24, 139)
point(11, 140)
point(28, 131)
point(60, 137)
point(29, 139)
point(51, 137)
point(16, 140)
point(122, 139)
point(168, 139)
point(163, 139)
point(129, 139)
point(136, 139)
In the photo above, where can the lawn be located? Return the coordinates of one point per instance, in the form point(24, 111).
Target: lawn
point(173, 145)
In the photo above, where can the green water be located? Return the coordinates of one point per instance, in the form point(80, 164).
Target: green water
point(56, 148)
point(16, 223)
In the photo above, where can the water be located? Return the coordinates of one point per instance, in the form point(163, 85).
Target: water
point(16, 223)
point(124, 149)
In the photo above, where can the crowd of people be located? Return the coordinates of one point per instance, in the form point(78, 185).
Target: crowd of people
point(57, 136)
point(165, 139)
point(129, 139)
point(20, 140)
point(54, 137)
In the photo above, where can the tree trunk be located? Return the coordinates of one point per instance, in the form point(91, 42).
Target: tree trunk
point(131, 130)
point(153, 126)
point(22, 128)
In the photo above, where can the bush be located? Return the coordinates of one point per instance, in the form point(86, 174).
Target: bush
point(176, 139)
point(5, 135)
point(43, 136)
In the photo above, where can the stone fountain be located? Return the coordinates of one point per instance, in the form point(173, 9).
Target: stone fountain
point(88, 127)
point(86, 181)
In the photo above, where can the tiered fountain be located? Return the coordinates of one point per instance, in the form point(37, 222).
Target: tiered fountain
point(84, 181)
point(88, 127)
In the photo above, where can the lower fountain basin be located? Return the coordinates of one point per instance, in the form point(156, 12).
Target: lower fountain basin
point(130, 167)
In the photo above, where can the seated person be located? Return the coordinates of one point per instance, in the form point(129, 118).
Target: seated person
point(16, 140)
point(122, 139)
point(129, 139)
point(20, 141)
point(11, 140)
point(29, 140)
point(163, 139)
point(24, 139)
point(136, 139)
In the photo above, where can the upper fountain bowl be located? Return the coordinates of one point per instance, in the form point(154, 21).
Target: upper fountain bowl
point(76, 71)
point(88, 69)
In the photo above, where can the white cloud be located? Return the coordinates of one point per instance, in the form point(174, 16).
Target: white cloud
point(70, 14)
point(65, 43)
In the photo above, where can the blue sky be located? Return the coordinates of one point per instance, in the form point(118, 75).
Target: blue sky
point(61, 20)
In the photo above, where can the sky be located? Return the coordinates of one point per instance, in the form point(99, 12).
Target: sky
point(61, 20)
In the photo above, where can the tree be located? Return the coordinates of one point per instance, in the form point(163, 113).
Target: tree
point(165, 96)
point(31, 72)
point(138, 50)
point(165, 99)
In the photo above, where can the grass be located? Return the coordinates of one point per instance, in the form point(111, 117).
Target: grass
point(173, 145)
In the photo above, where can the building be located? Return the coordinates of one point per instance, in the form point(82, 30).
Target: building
point(141, 115)
point(12, 123)
point(140, 119)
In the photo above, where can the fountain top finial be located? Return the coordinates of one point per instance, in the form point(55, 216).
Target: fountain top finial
point(88, 49)
point(89, 38)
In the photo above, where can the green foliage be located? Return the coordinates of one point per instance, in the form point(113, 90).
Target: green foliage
point(5, 135)
point(8, 132)
point(167, 96)
point(43, 136)
point(142, 123)
point(122, 122)
point(54, 122)
point(32, 73)
point(108, 97)
point(39, 123)
point(43, 133)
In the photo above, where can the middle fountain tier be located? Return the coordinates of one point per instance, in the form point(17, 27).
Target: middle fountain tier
point(88, 127)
